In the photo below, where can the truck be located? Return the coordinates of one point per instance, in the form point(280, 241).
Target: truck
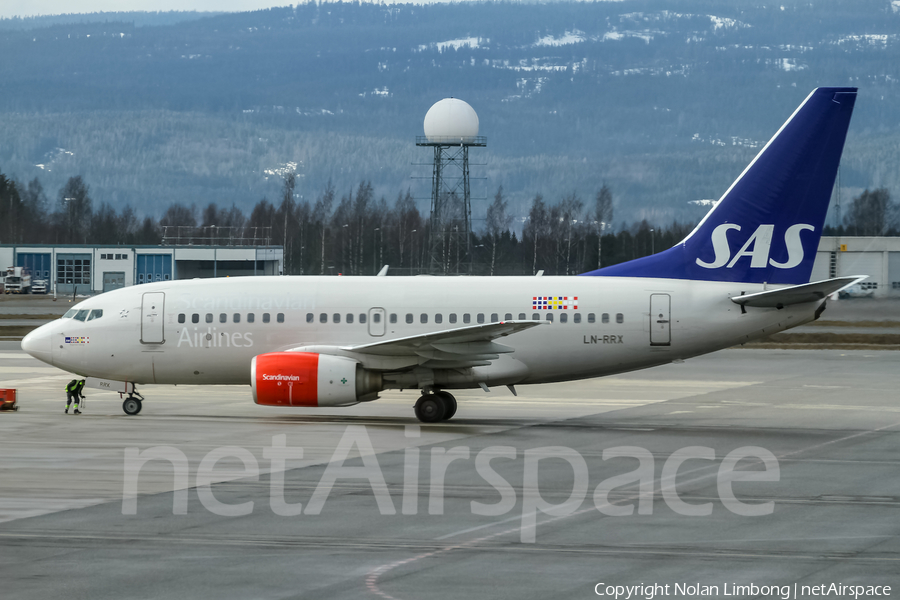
point(18, 281)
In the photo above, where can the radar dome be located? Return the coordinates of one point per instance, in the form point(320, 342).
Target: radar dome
point(451, 120)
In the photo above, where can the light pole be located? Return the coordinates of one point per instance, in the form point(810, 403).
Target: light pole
point(414, 256)
point(344, 247)
point(375, 251)
point(652, 242)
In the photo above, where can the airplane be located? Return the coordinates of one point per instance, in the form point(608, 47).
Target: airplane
point(743, 273)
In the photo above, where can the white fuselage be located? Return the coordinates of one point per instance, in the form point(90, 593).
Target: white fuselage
point(201, 331)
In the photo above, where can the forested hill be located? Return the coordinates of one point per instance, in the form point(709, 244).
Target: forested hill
point(665, 100)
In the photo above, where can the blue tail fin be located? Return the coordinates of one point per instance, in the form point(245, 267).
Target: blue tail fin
point(766, 227)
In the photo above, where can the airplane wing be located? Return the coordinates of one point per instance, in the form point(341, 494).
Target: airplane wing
point(797, 294)
point(458, 348)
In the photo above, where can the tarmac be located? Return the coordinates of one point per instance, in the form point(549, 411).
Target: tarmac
point(513, 498)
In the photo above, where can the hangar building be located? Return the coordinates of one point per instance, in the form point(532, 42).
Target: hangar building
point(86, 269)
point(877, 257)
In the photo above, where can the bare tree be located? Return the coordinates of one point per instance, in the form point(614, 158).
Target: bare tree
point(104, 225)
point(871, 213)
point(11, 212)
point(74, 211)
point(497, 222)
point(536, 227)
point(126, 225)
point(603, 215)
point(408, 222)
point(286, 214)
point(320, 213)
point(261, 221)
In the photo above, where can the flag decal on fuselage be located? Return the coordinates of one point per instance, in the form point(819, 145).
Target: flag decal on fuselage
point(554, 302)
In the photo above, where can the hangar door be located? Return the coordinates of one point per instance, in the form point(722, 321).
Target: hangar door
point(73, 273)
point(153, 267)
point(862, 263)
point(37, 263)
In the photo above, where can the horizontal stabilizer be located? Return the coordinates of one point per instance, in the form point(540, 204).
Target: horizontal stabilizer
point(797, 294)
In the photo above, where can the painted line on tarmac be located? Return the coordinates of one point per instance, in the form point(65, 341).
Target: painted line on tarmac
point(372, 580)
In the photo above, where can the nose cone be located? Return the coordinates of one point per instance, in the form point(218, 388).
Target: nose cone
point(37, 344)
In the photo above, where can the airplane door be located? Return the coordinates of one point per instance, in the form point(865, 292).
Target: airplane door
point(152, 318)
point(377, 325)
point(660, 333)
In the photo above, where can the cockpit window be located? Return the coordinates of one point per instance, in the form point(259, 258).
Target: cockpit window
point(70, 313)
point(81, 315)
point(95, 314)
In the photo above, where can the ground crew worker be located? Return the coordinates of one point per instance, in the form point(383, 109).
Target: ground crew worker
point(73, 392)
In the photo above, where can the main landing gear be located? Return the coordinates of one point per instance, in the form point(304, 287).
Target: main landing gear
point(432, 407)
point(132, 404)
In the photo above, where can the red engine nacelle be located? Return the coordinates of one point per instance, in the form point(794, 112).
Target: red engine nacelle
point(309, 379)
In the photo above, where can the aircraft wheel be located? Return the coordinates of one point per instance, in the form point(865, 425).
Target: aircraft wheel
point(449, 404)
point(430, 408)
point(131, 406)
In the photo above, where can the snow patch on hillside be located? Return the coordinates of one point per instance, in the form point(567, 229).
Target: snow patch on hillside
point(569, 37)
point(470, 42)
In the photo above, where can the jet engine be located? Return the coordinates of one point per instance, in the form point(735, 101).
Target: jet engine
point(311, 379)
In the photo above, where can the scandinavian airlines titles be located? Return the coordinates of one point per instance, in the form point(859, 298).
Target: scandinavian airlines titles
point(757, 247)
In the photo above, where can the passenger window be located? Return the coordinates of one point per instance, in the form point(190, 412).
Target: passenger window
point(605, 317)
point(310, 317)
point(535, 316)
point(423, 318)
point(439, 318)
point(280, 317)
point(362, 317)
point(507, 317)
point(620, 318)
point(323, 318)
point(209, 317)
point(592, 318)
point(409, 318)
point(349, 318)
point(236, 317)
point(393, 317)
point(336, 318)
point(494, 317)
point(251, 317)
point(266, 318)
point(453, 317)
point(467, 318)
point(95, 314)
point(576, 317)
point(550, 317)
point(480, 317)
point(521, 316)
point(223, 318)
point(181, 318)
point(563, 317)
point(195, 318)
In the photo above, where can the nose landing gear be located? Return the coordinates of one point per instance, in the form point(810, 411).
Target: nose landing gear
point(432, 407)
point(132, 404)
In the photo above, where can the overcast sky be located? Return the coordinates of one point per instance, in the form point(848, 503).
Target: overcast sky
point(30, 8)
